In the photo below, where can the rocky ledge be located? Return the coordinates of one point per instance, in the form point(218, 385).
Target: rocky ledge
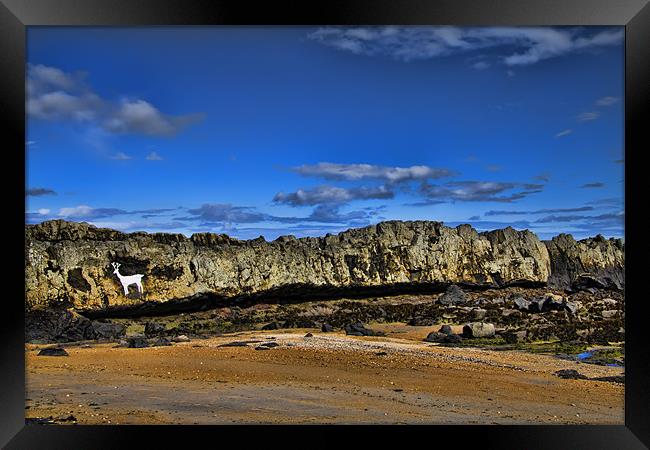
point(68, 264)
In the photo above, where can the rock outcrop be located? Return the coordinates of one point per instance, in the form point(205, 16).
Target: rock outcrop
point(595, 262)
point(68, 264)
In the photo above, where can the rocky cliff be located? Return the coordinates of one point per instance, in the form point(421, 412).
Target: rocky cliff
point(69, 264)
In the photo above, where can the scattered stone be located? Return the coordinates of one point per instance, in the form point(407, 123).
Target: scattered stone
point(508, 312)
point(137, 342)
point(421, 321)
point(513, 337)
point(452, 296)
point(570, 374)
point(442, 338)
point(259, 347)
point(497, 301)
point(381, 353)
point(85, 346)
point(238, 343)
point(478, 313)
point(180, 338)
point(522, 304)
point(453, 339)
point(153, 329)
point(358, 329)
point(446, 329)
point(107, 330)
point(573, 307)
point(63, 418)
point(609, 314)
point(327, 328)
point(270, 344)
point(435, 336)
point(161, 342)
point(609, 302)
point(478, 330)
point(309, 335)
point(53, 351)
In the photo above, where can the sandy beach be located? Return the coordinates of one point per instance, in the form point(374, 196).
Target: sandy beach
point(324, 378)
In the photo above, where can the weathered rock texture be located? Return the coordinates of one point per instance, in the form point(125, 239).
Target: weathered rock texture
point(594, 262)
point(69, 264)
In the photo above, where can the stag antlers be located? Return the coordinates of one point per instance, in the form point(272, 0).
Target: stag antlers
point(116, 265)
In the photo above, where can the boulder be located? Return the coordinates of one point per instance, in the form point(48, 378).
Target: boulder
point(154, 329)
point(443, 338)
point(327, 328)
point(513, 337)
point(453, 296)
point(573, 307)
point(358, 329)
point(137, 342)
point(522, 304)
point(478, 330)
point(180, 338)
point(160, 342)
point(53, 351)
point(478, 313)
point(609, 314)
point(107, 330)
point(445, 329)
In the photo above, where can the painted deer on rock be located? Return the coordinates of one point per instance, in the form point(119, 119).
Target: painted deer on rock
point(127, 280)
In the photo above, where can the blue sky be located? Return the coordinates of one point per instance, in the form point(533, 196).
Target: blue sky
point(311, 130)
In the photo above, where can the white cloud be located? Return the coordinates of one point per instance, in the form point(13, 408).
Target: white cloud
point(354, 172)
point(58, 96)
point(43, 211)
point(564, 133)
point(121, 156)
point(77, 211)
point(606, 101)
point(587, 116)
point(332, 195)
point(154, 156)
point(409, 43)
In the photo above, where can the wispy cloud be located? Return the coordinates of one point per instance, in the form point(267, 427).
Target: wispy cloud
point(121, 156)
point(354, 172)
point(154, 156)
point(55, 95)
point(594, 185)
point(545, 177)
point(332, 195)
point(606, 101)
point(526, 45)
point(481, 65)
point(538, 211)
point(587, 116)
point(39, 192)
point(85, 212)
point(618, 218)
point(564, 133)
point(476, 191)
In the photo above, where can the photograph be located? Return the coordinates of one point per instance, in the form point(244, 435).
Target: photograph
point(325, 224)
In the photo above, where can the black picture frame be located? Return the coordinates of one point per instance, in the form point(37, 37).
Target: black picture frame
point(16, 15)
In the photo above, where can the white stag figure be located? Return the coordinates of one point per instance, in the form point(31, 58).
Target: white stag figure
point(127, 280)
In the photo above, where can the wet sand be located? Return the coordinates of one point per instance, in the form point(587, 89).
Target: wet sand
point(327, 378)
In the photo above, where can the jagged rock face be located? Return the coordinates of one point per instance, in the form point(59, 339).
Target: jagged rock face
point(69, 264)
point(594, 262)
